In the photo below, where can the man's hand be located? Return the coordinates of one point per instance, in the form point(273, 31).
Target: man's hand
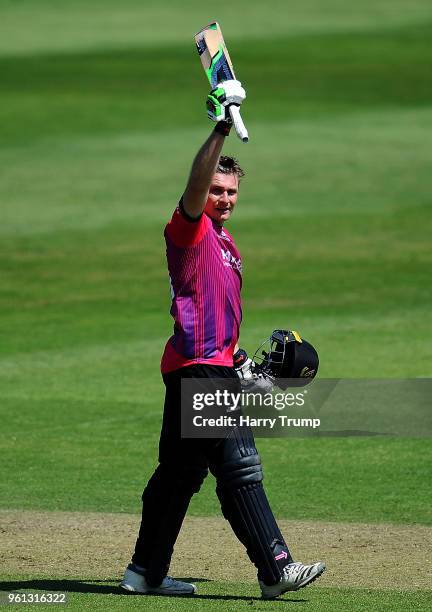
point(251, 379)
point(243, 364)
point(220, 99)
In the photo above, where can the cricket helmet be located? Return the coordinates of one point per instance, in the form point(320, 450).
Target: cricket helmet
point(287, 358)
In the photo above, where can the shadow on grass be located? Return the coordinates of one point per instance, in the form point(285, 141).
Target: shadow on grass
point(98, 587)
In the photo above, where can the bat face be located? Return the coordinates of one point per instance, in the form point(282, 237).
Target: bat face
point(218, 68)
point(214, 55)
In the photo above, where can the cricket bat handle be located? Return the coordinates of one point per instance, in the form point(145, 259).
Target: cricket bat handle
point(240, 128)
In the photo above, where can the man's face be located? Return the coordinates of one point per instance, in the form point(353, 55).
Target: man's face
point(222, 197)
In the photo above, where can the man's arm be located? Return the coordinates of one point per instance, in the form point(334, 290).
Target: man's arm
point(207, 158)
point(203, 168)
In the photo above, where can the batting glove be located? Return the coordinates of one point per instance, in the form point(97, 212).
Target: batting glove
point(220, 98)
point(251, 378)
point(243, 365)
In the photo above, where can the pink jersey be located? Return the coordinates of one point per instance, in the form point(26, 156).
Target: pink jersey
point(205, 273)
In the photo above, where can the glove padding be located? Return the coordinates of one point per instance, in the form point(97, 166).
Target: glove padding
point(243, 365)
point(220, 99)
point(251, 379)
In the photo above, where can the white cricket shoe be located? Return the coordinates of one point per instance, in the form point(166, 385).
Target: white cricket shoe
point(135, 582)
point(294, 577)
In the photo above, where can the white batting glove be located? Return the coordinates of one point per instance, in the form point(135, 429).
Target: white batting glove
point(251, 378)
point(243, 365)
point(234, 92)
point(220, 98)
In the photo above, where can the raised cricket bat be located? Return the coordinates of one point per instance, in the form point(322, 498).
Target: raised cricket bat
point(218, 67)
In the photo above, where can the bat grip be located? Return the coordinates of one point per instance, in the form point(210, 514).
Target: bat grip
point(240, 128)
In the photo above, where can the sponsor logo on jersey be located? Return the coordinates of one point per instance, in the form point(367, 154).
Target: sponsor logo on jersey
point(231, 261)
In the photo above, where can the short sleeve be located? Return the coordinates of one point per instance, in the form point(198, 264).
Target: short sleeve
point(184, 231)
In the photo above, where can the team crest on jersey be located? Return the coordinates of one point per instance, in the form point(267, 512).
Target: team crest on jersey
point(225, 236)
point(231, 261)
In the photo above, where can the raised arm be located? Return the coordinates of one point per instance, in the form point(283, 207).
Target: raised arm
point(203, 168)
point(206, 161)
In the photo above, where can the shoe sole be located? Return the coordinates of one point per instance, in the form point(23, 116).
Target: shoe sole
point(130, 589)
point(304, 584)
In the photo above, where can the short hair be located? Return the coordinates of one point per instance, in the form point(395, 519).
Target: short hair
point(229, 165)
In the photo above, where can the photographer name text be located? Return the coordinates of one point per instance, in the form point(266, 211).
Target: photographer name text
point(247, 421)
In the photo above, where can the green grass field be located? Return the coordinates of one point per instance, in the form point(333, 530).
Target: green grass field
point(102, 109)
